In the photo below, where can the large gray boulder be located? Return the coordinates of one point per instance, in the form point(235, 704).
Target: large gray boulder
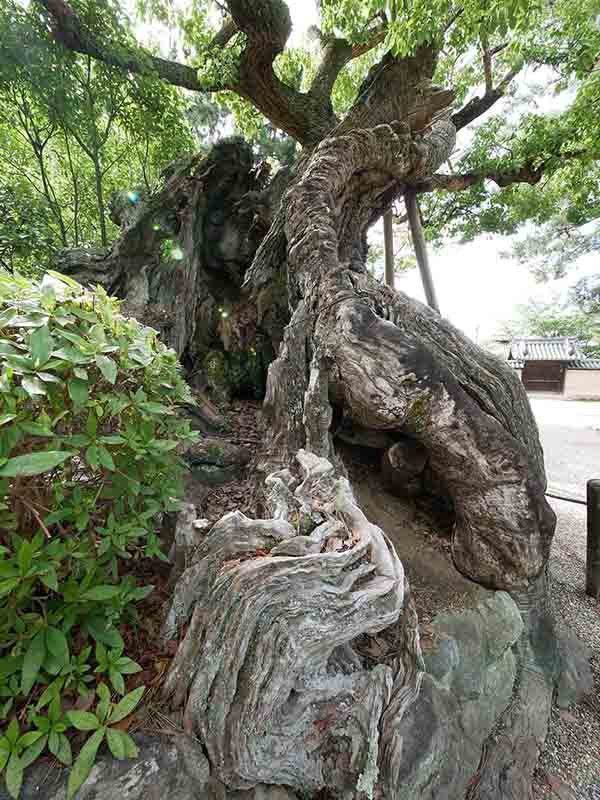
point(169, 767)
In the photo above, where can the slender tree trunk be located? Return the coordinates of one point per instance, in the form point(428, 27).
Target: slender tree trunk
point(100, 200)
point(420, 245)
point(75, 185)
point(388, 243)
point(51, 197)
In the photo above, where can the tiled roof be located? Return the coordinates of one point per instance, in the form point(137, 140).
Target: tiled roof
point(586, 363)
point(516, 364)
point(547, 348)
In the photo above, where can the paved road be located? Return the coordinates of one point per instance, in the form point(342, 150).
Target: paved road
point(570, 433)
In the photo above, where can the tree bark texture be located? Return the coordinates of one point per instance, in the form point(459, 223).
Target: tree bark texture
point(273, 671)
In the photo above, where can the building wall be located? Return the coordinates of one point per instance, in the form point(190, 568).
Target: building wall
point(582, 384)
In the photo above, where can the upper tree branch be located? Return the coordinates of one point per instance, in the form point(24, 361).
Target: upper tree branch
point(525, 174)
point(267, 26)
point(69, 31)
point(487, 64)
point(336, 53)
point(460, 182)
point(225, 35)
point(479, 105)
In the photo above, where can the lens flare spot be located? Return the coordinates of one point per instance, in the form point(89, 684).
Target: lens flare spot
point(133, 197)
point(156, 227)
point(177, 254)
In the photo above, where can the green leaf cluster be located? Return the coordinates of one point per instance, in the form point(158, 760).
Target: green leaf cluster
point(89, 438)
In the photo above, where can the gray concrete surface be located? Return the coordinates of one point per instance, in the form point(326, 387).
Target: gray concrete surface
point(570, 434)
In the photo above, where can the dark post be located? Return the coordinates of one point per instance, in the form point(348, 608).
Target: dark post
point(388, 240)
point(420, 245)
point(592, 577)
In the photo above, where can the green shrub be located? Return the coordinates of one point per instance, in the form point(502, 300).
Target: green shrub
point(89, 432)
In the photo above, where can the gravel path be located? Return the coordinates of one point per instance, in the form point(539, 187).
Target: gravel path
point(569, 768)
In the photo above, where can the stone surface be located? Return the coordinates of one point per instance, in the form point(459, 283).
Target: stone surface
point(402, 467)
point(215, 461)
point(169, 767)
point(471, 670)
point(575, 678)
point(364, 437)
point(166, 767)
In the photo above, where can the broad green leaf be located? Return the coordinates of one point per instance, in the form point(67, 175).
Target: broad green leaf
point(127, 666)
point(34, 463)
point(48, 377)
point(25, 557)
point(117, 681)
point(127, 705)
point(121, 744)
point(14, 776)
point(83, 720)
point(102, 631)
point(63, 752)
point(9, 665)
point(78, 391)
point(50, 579)
point(33, 386)
point(5, 418)
point(65, 279)
point(12, 732)
point(53, 742)
point(116, 743)
point(30, 738)
point(84, 763)
point(100, 593)
point(103, 706)
point(91, 425)
point(4, 752)
point(91, 456)
point(7, 585)
point(108, 368)
point(155, 408)
point(56, 643)
point(8, 349)
point(50, 692)
point(35, 429)
point(32, 663)
point(106, 459)
point(33, 752)
point(41, 345)
point(112, 439)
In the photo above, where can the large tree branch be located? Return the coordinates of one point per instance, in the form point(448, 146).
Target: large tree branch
point(69, 31)
point(267, 26)
point(336, 53)
point(460, 182)
point(479, 105)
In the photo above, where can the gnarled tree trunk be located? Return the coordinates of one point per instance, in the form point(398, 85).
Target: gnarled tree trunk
point(274, 672)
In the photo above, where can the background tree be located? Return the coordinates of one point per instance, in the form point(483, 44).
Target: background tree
point(578, 316)
point(73, 132)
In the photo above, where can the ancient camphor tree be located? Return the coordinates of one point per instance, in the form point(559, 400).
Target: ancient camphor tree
point(271, 672)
